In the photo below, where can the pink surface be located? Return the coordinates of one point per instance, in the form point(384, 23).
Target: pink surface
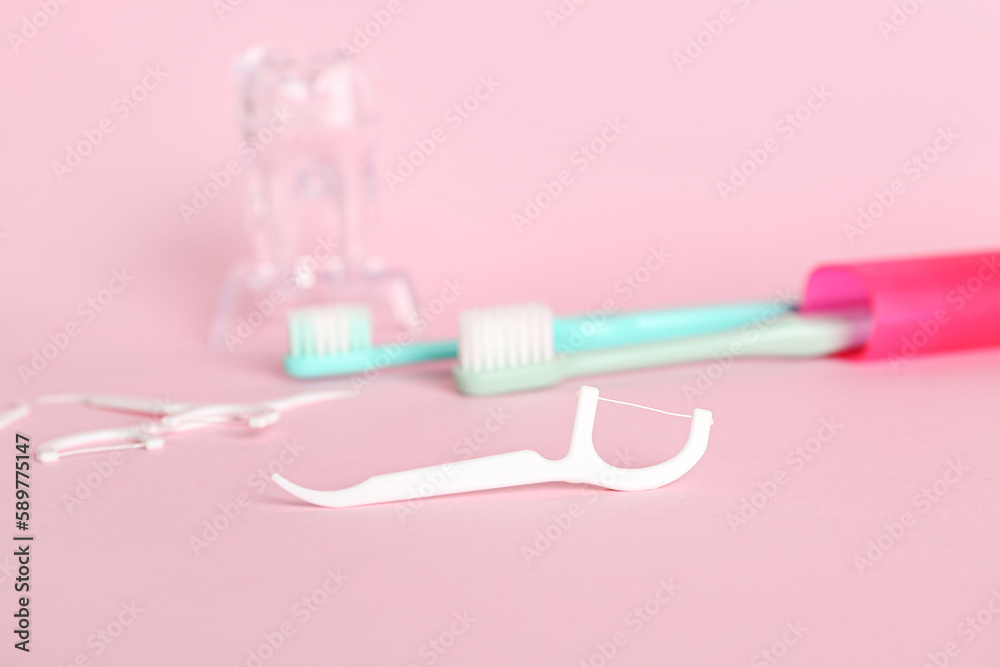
point(800, 133)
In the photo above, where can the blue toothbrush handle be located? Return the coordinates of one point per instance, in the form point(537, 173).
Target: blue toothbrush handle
point(362, 361)
point(585, 332)
point(415, 353)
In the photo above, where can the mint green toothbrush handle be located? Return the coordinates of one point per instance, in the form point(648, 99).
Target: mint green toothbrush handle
point(791, 335)
point(585, 332)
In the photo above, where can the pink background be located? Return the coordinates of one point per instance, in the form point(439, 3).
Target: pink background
point(655, 186)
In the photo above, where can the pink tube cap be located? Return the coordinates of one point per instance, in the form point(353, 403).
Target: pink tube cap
point(917, 306)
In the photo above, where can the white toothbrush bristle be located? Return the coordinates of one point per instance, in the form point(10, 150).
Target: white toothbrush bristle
point(505, 337)
point(326, 330)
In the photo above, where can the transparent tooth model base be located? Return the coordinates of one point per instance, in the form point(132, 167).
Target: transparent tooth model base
point(309, 132)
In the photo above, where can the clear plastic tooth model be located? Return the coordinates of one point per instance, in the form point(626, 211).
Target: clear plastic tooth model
point(309, 131)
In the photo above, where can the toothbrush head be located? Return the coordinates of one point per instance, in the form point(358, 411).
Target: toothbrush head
point(506, 349)
point(337, 340)
point(325, 340)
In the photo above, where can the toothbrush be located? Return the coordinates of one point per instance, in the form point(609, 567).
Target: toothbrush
point(491, 364)
point(890, 309)
point(336, 340)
